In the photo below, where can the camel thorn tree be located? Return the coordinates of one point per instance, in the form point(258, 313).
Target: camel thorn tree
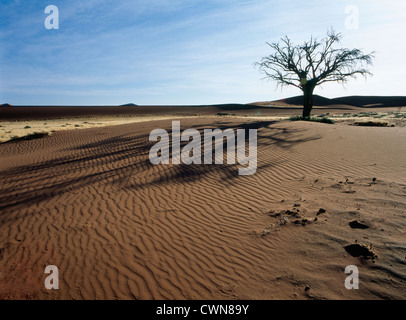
point(312, 64)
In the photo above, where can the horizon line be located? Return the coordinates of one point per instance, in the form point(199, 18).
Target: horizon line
point(132, 104)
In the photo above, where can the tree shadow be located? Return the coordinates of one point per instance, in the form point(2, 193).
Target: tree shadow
point(123, 161)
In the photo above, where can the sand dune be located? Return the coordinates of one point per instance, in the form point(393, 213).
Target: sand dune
point(25, 122)
point(355, 101)
point(349, 104)
point(25, 113)
point(263, 108)
point(90, 202)
point(374, 101)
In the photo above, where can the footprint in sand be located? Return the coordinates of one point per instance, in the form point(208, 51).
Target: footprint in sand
point(361, 250)
point(358, 225)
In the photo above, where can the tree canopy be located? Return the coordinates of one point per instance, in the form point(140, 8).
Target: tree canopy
point(313, 63)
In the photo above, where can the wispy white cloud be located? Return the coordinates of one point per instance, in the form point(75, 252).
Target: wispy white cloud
point(179, 51)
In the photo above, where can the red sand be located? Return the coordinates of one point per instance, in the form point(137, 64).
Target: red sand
point(117, 227)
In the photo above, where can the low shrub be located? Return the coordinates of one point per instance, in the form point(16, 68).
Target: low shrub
point(32, 136)
point(374, 124)
point(314, 119)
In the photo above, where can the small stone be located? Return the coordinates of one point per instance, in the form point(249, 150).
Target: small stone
point(307, 288)
point(264, 233)
point(321, 210)
point(284, 220)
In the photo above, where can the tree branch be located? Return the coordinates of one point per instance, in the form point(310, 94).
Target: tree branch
point(315, 61)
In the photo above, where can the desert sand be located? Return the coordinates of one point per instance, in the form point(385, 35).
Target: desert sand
point(117, 227)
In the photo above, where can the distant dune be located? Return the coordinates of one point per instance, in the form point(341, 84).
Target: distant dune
point(288, 106)
point(318, 101)
point(57, 112)
point(373, 101)
point(353, 101)
point(129, 105)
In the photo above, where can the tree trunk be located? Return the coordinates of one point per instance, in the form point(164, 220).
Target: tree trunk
point(308, 100)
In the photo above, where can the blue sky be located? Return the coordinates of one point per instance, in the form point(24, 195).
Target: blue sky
point(110, 52)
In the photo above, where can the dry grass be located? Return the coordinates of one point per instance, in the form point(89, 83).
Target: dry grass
point(25, 130)
point(374, 123)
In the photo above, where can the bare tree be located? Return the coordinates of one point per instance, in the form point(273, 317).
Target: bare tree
point(312, 64)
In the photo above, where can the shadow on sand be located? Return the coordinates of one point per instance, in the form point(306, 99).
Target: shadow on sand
point(125, 157)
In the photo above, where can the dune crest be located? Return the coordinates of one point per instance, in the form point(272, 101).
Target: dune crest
point(117, 227)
